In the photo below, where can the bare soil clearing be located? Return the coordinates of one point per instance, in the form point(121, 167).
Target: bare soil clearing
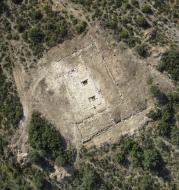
point(91, 89)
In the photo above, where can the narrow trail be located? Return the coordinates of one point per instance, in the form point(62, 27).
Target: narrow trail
point(19, 141)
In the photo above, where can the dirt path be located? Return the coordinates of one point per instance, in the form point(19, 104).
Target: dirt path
point(19, 141)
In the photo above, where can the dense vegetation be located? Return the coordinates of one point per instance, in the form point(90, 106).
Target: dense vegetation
point(13, 177)
point(166, 114)
point(47, 148)
point(137, 162)
point(10, 109)
point(170, 63)
point(37, 27)
point(44, 137)
point(128, 20)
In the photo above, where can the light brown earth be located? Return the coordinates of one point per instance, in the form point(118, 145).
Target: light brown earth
point(90, 88)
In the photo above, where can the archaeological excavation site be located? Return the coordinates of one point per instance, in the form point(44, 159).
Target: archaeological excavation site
point(89, 95)
point(90, 90)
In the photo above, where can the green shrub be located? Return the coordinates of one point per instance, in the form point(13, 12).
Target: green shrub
point(174, 98)
point(111, 25)
point(155, 115)
point(146, 182)
point(142, 50)
point(34, 157)
point(127, 5)
point(3, 144)
point(160, 96)
point(136, 155)
point(91, 180)
point(37, 50)
point(120, 157)
point(142, 22)
point(61, 161)
point(135, 3)
point(175, 135)
point(147, 9)
point(80, 28)
point(152, 159)
point(159, 3)
point(166, 120)
point(36, 35)
point(36, 15)
point(164, 129)
point(21, 27)
point(132, 148)
point(39, 180)
point(155, 91)
point(2, 6)
point(127, 144)
point(124, 34)
point(170, 63)
point(17, 1)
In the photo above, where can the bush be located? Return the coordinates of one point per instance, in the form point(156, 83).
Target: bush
point(37, 50)
point(21, 27)
point(132, 148)
point(136, 155)
point(120, 157)
point(2, 5)
point(36, 35)
point(35, 157)
point(170, 63)
point(167, 113)
point(80, 28)
point(141, 22)
point(152, 159)
point(164, 129)
point(167, 120)
point(160, 96)
point(155, 115)
point(124, 34)
point(135, 3)
point(17, 1)
point(91, 180)
point(39, 180)
point(146, 183)
point(61, 161)
point(175, 135)
point(155, 91)
point(174, 98)
point(36, 15)
point(142, 50)
point(159, 3)
point(127, 144)
point(147, 9)
point(3, 143)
